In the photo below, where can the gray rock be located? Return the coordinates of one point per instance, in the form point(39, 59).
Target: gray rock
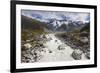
point(50, 51)
point(61, 47)
point(27, 45)
point(77, 54)
point(84, 39)
point(87, 55)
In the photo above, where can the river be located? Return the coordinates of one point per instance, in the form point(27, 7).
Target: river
point(56, 55)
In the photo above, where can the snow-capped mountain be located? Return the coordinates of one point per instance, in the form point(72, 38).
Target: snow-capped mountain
point(64, 25)
point(59, 21)
point(55, 24)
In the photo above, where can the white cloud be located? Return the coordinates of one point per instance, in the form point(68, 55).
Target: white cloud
point(58, 15)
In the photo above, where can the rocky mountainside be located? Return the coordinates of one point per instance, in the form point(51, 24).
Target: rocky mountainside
point(54, 24)
point(32, 24)
point(32, 28)
point(65, 25)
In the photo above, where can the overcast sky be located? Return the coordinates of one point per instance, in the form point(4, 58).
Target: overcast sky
point(57, 15)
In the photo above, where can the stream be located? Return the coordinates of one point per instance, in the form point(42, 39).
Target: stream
point(53, 54)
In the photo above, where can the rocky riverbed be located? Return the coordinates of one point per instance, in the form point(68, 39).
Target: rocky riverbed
point(47, 48)
point(80, 43)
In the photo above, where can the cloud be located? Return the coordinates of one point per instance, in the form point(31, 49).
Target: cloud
point(57, 15)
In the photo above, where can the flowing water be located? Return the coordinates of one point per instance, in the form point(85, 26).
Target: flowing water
point(53, 54)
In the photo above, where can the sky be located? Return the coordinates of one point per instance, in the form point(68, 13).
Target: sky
point(60, 15)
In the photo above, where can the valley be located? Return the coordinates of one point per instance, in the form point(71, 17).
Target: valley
point(56, 40)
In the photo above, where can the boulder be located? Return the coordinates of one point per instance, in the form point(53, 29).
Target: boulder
point(61, 47)
point(50, 51)
point(27, 45)
point(84, 39)
point(77, 54)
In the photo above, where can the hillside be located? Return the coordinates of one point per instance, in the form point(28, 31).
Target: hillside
point(31, 27)
point(32, 24)
point(86, 28)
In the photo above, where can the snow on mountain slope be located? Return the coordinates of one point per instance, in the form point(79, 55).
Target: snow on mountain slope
point(59, 21)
